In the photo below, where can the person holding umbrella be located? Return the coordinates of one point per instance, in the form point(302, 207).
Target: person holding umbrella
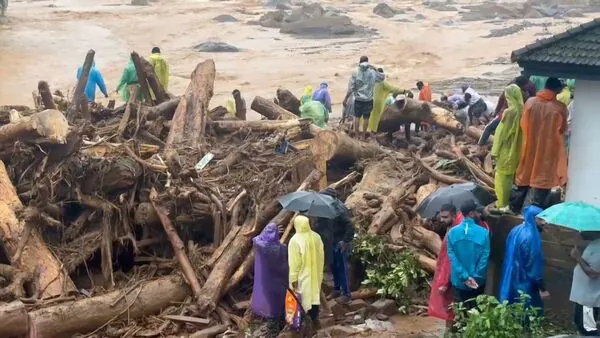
point(523, 269)
point(468, 252)
point(337, 234)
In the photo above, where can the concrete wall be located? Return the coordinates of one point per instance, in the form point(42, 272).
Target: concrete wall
point(557, 244)
point(584, 153)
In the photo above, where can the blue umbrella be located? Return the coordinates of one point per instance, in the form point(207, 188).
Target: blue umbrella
point(310, 203)
point(578, 216)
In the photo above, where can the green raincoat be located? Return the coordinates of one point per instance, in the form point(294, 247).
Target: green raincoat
point(507, 144)
point(315, 111)
point(129, 77)
point(380, 94)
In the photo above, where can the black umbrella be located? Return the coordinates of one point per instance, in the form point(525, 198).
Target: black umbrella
point(455, 194)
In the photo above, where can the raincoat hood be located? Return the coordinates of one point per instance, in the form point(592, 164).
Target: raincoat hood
point(324, 84)
point(306, 95)
point(301, 224)
point(546, 95)
point(509, 139)
point(530, 214)
point(269, 236)
point(363, 66)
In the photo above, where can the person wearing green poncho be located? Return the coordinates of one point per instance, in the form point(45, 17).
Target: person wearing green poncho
point(314, 110)
point(380, 94)
point(507, 145)
point(128, 78)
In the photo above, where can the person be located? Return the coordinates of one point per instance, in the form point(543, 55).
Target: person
point(322, 95)
point(457, 103)
point(270, 278)
point(523, 268)
point(3, 7)
point(381, 92)
point(306, 261)
point(477, 105)
point(95, 79)
point(468, 252)
point(307, 94)
point(507, 146)
point(585, 289)
point(314, 110)
point(538, 81)
point(128, 78)
point(527, 91)
point(337, 235)
point(361, 85)
point(161, 67)
point(424, 91)
point(543, 163)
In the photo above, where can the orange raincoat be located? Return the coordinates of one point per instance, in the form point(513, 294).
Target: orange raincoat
point(543, 163)
point(425, 93)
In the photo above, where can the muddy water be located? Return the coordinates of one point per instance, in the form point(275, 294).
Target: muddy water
point(49, 39)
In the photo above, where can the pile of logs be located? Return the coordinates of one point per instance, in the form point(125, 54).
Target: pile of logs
point(111, 216)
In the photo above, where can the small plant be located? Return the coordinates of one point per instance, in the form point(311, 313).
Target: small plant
point(493, 319)
point(393, 273)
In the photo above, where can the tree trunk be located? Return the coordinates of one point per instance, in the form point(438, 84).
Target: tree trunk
point(373, 187)
point(288, 101)
point(476, 133)
point(79, 99)
point(14, 319)
point(46, 94)
point(424, 191)
point(189, 121)
point(387, 217)
point(48, 126)
point(85, 315)
point(52, 280)
point(240, 105)
point(234, 255)
point(142, 80)
point(155, 85)
point(259, 125)
point(270, 110)
point(426, 263)
point(165, 109)
point(414, 111)
point(338, 146)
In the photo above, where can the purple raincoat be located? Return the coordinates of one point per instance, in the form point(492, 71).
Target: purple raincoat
point(270, 274)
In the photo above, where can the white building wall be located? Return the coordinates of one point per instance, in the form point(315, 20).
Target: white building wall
point(584, 152)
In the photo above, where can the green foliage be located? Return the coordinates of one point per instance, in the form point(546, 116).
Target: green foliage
point(492, 319)
point(393, 273)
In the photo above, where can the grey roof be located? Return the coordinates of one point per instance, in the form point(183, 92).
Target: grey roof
point(579, 46)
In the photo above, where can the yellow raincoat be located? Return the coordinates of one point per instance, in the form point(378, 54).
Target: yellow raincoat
point(508, 141)
point(380, 94)
point(306, 259)
point(306, 95)
point(161, 68)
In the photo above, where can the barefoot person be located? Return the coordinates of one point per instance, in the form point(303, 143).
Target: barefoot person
point(361, 85)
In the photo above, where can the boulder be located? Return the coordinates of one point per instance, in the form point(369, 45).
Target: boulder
point(216, 47)
point(323, 26)
point(384, 10)
point(140, 3)
point(357, 304)
point(225, 18)
point(272, 19)
point(387, 307)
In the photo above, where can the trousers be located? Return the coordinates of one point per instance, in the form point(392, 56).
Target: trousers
point(339, 269)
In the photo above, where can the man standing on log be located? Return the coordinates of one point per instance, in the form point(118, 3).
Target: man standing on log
point(161, 67)
point(94, 79)
point(543, 163)
point(337, 235)
point(362, 83)
point(469, 252)
point(477, 105)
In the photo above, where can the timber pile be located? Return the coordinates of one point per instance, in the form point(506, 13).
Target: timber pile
point(112, 227)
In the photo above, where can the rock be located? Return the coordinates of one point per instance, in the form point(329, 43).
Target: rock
point(140, 3)
point(283, 7)
point(382, 317)
point(338, 310)
point(216, 47)
point(358, 319)
point(420, 17)
point(340, 331)
point(272, 19)
point(321, 27)
point(440, 6)
point(573, 13)
point(386, 306)
point(327, 322)
point(305, 12)
point(225, 18)
point(356, 305)
point(384, 10)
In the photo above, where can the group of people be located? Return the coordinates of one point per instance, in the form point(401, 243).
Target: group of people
point(128, 78)
point(299, 267)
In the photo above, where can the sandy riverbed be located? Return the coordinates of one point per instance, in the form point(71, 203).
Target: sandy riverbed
point(48, 40)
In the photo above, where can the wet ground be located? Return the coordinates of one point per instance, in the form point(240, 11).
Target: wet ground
point(49, 39)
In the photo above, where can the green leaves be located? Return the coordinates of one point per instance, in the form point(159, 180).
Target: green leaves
point(393, 273)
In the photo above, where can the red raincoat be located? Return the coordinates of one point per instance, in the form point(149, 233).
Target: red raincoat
point(439, 303)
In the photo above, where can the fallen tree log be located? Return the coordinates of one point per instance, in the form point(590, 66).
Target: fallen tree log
point(155, 85)
point(52, 280)
point(372, 186)
point(288, 101)
point(338, 146)
point(189, 121)
point(270, 110)
point(260, 125)
point(414, 111)
point(426, 263)
point(236, 252)
point(165, 109)
point(46, 94)
point(141, 75)
point(14, 319)
point(424, 191)
point(48, 126)
point(79, 102)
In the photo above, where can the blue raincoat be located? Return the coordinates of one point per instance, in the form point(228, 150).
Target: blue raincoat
point(469, 253)
point(523, 267)
point(94, 79)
